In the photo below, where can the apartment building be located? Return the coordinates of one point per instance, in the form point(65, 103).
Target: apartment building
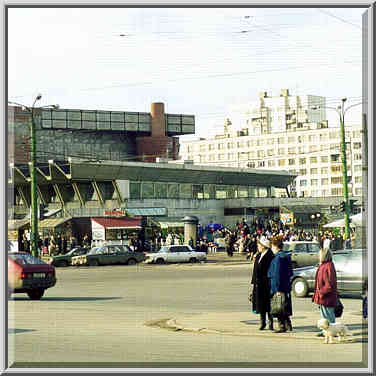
point(297, 141)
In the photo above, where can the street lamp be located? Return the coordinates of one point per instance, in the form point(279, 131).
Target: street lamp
point(34, 197)
point(341, 111)
point(314, 218)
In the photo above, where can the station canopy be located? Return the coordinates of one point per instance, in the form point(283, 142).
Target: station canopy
point(118, 223)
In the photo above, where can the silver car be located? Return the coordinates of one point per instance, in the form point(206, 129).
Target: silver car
point(303, 253)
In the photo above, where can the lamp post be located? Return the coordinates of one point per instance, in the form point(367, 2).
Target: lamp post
point(341, 111)
point(316, 218)
point(33, 188)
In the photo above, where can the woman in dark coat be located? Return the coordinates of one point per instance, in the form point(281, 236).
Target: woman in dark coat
point(325, 293)
point(280, 273)
point(260, 282)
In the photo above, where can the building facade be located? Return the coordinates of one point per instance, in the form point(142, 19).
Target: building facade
point(297, 140)
point(97, 135)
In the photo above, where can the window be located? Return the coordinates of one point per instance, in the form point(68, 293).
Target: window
point(270, 152)
point(185, 191)
point(358, 179)
point(291, 140)
point(357, 168)
point(334, 158)
point(251, 164)
point(260, 142)
point(190, 148)
point(261, 164)
point(313, 159)
point(303, 183)
point(313, 148)
point(211, 146)
point(198, 191)
point(314, 182)
point(357, 145)
point(252, 154)
point(335, 169)
point(334, 146)
point(240, 144)
point(221, 146)
point(324, 181)
point(209, 191)
point(271, 163)
point(358, 191)
point(303, 149)
point(202, 147)
point(323, 137)
point(173, 190)
point(357, 157)
point(281, 162)
point(260, 153)
point(250, 143)
point(301, 139)
point(303, 171)
point(230, 156)
point(242, 191)
point(291, 151)
point(357, 134)
point(324, 159)
point(302, 161)
point(336, 180)
point(314, 171)
point(337, 192)
point(160, 190)
point(135, 190)
point(291, 162)
point(147, 190)
point(281, 140)
point(313, 138)
point(281, 151)
point(333, 134)
point(230, 145)
point(270, 141)
point(211, 157)
point(324, 170)
point(221, 157)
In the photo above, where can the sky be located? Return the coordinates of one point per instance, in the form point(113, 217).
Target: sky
point(200, 62)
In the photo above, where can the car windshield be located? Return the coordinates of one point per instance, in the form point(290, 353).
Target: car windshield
point(25, 259)
point(163, 249)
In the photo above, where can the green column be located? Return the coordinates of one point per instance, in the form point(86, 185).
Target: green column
point(34, 197)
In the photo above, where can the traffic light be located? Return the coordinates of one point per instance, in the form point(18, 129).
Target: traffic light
point(342, 206)
point(43, 209)
point(351, 204)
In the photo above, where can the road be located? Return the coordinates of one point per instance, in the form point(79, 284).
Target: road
point(96, 315)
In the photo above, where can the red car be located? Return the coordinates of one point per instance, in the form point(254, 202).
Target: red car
point(30, 275)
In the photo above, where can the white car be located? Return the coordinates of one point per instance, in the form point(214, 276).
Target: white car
point(175, 253)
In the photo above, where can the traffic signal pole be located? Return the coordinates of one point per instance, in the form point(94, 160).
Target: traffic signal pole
point(344, 172)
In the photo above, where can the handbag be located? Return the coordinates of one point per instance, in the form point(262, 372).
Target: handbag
point(338, 310)
point(278, 304)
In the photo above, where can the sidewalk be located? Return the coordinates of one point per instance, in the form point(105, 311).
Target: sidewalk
point(222, 257)
point(247, 324)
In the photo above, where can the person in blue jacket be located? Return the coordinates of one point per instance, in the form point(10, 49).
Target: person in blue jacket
point(280, 273)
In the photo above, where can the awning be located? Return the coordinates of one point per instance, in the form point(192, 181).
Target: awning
point(16, 224)
point(118, 223)
point(52, 212)
point(355, 220)
point(53, 222)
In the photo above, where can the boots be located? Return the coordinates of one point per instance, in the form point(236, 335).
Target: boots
point(270, 321)
point(281, 326)
point(288, 324)
point(262, 321)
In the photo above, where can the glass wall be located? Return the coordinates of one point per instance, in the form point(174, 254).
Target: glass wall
point(148, 190)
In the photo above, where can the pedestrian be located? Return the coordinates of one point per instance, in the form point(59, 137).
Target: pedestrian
point(280, 273)
point(52, 247)
point(261, 284)
point(325, 293)
point(64, 244)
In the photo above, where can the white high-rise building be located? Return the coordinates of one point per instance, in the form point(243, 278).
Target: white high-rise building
point(285, 133)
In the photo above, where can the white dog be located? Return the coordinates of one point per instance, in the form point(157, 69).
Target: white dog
point(333, 330)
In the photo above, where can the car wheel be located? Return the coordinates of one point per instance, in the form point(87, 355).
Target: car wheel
point(160, 261)
point(93, 262)
point(300, 288)
point(193, 260)
point(35, 294)
point(131, 262)
point(63, 264)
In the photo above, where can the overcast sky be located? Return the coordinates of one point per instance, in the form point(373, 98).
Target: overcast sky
point(196, 61)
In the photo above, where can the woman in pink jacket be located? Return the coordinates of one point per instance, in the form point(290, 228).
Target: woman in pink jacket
point(326, 294)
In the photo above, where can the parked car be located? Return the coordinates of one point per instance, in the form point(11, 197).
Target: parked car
point(108, 255)
point(351, 275)
point(175, 253)
point(303, 253)
point(30, 275)
point(66, 259)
